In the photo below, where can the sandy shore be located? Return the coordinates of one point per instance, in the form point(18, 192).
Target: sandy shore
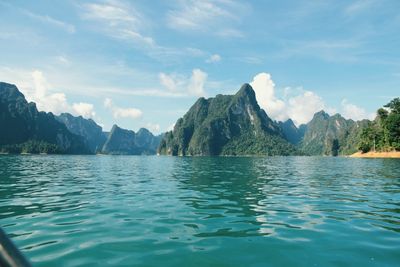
point(376, 155)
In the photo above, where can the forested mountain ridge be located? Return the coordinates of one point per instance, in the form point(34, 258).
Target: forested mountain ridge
point(293, 134)
point(92, 134)
point(222, 125)
point(23, 129)
point(331, 135)
point(226, 125)
point(126, 142)
point(26, 130)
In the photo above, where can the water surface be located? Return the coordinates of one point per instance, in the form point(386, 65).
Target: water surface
point(202, 211)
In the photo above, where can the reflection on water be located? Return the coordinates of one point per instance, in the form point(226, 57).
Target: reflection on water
point(105, 210)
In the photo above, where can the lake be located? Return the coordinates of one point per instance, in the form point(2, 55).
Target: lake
point(202, 211)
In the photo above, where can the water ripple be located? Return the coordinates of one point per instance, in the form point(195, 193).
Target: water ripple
point(124, 211)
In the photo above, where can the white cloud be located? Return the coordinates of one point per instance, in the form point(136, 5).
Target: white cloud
point(204, 15)
point(171, 127)
point(230, 33)
point(358, 6)
point(299, 108)
point(302, 108)
point(127, 113)
point(354, 112)
point(196, 52)
point(123, 21)
point(36, 88)
point(63, 60)
point(169, 81)
point(214, 58)
point(54, 102)
point(264, 88)
point(86, 110)
point(194, 85)
point(153, 127)
point(338, 50)
point(140, 92)
point(108, 103)
point(119, 20)
point(40, 85)
point(49, 20)
point(119, 112)
point(251, 60)
point(300, 105)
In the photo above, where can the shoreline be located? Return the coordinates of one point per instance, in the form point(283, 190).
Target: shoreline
point(393, 155)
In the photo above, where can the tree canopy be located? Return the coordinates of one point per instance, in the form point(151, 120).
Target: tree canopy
point(383, 134)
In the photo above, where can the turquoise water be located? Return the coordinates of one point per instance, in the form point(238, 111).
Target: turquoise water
point(173, 211)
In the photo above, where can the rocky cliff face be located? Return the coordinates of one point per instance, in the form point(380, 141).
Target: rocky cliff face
point(146, 140)
point(226, 125)
point(331, 135)
point(293, 134)
point(25, 129)
point(91, 132)
point(126, 142)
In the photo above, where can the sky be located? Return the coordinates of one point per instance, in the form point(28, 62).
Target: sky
point(144, 63)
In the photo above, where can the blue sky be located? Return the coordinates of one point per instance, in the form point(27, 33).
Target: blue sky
point(144, 63)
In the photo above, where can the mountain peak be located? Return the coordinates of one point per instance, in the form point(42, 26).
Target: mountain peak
point(246, 89)
point(4, 85)
point(143, 131)
point(247, 94)
point(330, 135)
point(226, 125)
point(114, 127)
point(86, 128)
point(10, 91)
point(321, 114)
point(291, 132)
point(289, 122)
point(27, 129)
point(126, 142)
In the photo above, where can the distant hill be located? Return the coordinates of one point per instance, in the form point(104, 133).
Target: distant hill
point(26, 130)
point(293, 134)
point(92, 133)
point(226, 125)
point(222, 125)
point(126, 142)
point(332, 135)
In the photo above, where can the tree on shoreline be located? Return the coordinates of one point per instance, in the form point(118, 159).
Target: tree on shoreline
point(383, 134)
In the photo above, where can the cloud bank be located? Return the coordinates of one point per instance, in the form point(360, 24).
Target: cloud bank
point(214, 58)
point(36, 88)
point(200, 16)
point(179, 84)
point(300, 107)
point(119, 112)
point(354, 112)
point(119, 20)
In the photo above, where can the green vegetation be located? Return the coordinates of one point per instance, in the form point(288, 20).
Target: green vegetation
point(226, 125)
point(293, 134)
point(332, 135)
point(91, 133)
point(223, 125)
point(31, 146)
point(268, 145)
point(26, 130)
point(383, 134)
point(126, 142)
